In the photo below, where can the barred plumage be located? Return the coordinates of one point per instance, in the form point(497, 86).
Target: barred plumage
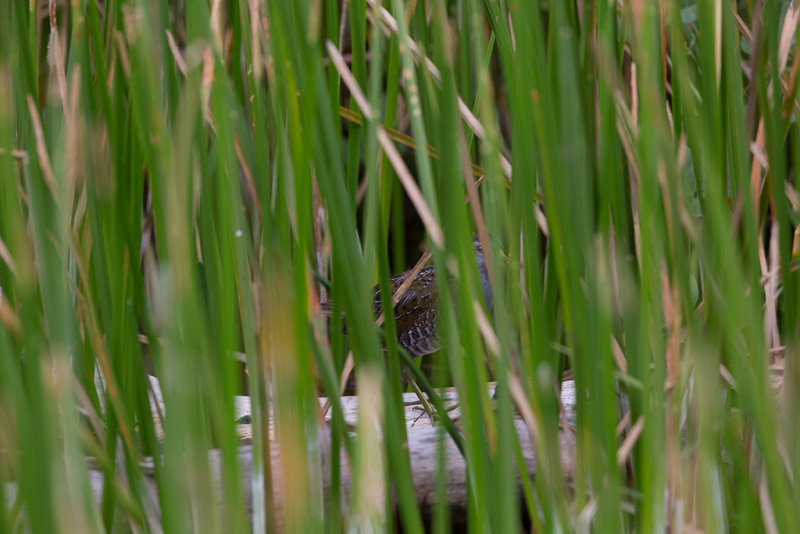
point(417, 312)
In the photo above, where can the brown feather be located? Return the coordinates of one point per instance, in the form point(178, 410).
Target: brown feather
point(416, 314)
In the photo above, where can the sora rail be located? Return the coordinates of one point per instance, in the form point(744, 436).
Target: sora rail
point(417, 312)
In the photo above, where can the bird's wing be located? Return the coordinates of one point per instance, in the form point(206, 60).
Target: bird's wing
point(418, 295)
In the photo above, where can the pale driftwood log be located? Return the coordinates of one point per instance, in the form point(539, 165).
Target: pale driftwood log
point(422, 446)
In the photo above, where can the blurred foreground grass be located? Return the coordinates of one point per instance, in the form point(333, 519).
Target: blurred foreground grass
point(176, 176)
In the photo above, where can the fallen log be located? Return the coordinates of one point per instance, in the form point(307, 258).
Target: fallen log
point(422, 447)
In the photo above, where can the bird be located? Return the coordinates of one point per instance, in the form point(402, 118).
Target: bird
point(416, 314)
